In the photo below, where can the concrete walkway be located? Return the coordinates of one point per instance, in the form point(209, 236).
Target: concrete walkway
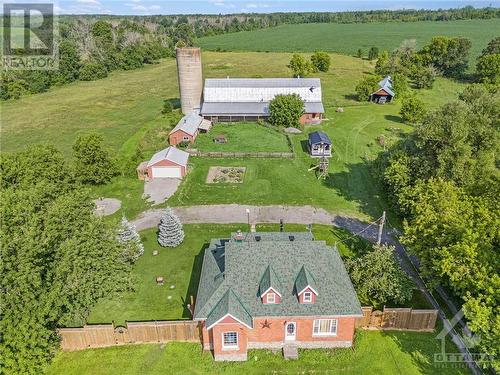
point(235, 213)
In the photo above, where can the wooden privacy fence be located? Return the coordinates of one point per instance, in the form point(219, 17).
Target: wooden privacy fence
point(102, 335)
point(398, 319)
point(217, 154)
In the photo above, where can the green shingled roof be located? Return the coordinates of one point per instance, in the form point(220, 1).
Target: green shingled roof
point(229, 304)
point(305, 279)
point(269, 280)
point(244, 264)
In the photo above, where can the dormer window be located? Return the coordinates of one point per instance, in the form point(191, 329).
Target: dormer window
point(271, 297)
point(308, 297)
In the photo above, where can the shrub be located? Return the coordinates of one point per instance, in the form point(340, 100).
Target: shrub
point(285, 110)
point(359, 53)
point(167, 106)
point(300, 66)
point(412, 110)
point(92, 71)
point(366, 87)
point(321, 61)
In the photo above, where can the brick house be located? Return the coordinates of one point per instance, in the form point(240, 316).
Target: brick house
point(188, 128)
point(274, 290)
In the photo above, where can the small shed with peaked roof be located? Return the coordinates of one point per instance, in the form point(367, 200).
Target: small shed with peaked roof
point(319, 144)
point(385, 93)
point(168, 163)
point(188, 128)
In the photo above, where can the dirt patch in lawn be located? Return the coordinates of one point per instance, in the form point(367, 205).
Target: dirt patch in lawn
point(225, 175)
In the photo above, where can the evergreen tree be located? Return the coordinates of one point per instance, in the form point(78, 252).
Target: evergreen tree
point(128, 237)
point(170, 232)
point(373, 53)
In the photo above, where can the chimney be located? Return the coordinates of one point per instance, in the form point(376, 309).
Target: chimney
point(238, 237)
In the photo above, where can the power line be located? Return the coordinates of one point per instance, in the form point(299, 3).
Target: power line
point(361, 231)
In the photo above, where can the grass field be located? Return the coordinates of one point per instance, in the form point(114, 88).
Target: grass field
point(348, 38)
point(382, 353)
point(243, 137)
point(125, 109)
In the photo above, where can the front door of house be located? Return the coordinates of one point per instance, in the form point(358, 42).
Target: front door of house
point(290, 331)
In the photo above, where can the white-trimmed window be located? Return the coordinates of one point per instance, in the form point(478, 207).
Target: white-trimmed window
point(325, 327)
point(185, 138)
point(308, 297)
point(230, 340)
point(271, 298)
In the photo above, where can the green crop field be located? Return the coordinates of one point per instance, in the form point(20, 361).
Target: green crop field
point(347, 38)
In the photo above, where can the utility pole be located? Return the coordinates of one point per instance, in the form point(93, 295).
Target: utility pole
point(248, 220)
point(381, 228)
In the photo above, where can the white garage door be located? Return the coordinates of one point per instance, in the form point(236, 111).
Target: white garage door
point(159, 172)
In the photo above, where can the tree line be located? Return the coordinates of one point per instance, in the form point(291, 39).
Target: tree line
point(444, 180)
point(57, 258)
point(92, 46)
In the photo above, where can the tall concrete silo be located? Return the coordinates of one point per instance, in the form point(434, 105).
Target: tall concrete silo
point(190, 78)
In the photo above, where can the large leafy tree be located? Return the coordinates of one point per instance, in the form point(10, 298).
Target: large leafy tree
point(92, 162)
point(285, 110)
point(456, 237)
point(378, 278)
point(444, 179)
point(488, 64)
point(57, 258)
point(448, 55)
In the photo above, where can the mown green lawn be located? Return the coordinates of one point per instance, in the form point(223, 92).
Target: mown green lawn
point(243, 137)
point(381, 353)
point(348, 38)
point(181, 267)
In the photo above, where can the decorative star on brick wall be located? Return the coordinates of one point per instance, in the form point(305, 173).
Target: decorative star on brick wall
point(266, 324)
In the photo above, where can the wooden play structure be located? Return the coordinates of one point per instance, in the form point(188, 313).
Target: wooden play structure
point(321, 168)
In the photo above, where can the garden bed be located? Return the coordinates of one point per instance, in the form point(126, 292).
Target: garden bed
point(225, 175)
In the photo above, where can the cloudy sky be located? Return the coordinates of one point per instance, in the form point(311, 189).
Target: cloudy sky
point(142, 7)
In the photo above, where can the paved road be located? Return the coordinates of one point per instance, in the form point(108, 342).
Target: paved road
point(234, 213)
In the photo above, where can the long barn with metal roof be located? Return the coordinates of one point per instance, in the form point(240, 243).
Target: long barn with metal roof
point(240, 99)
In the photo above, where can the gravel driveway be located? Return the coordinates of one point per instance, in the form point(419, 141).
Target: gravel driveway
point(160, 189)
